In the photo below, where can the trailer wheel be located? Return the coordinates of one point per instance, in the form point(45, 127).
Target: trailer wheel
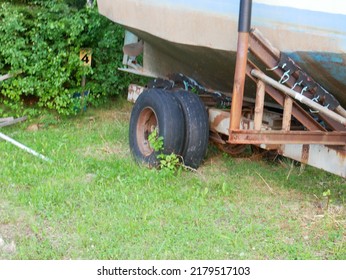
point(196, 128)
point(156, 109)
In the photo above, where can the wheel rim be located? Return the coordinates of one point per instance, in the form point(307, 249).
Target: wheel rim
point(147, 123)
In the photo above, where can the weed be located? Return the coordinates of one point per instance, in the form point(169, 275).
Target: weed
point(327, 194)
point(155, 141)
point(169, 162)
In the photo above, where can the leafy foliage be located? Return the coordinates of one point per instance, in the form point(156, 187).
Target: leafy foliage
point(40, 44)
point(156, 141)
point(171, 162)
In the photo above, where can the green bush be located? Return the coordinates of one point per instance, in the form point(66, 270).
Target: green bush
point(40, 43)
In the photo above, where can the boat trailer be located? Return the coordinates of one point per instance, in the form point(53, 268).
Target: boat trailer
point(301, 121)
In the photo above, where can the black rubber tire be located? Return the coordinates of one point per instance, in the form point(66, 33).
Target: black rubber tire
point(155, 108)
point(196, 128)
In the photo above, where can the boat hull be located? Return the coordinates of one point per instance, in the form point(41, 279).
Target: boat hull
point(199, 38)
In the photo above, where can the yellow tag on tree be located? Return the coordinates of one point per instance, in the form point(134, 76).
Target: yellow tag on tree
point(85, 56)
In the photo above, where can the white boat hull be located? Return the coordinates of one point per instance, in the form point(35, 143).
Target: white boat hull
point(199, 38)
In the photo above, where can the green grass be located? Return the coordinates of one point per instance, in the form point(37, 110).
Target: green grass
point(94, 202)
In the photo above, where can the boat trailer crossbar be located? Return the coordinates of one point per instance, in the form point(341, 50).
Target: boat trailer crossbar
point(287, 137)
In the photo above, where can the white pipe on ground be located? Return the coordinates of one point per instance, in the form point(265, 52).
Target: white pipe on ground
point(21, 146)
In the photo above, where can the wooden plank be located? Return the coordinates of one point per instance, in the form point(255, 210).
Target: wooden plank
point(14, 121)
point(6, 119)
point(260, 95)
point(288, 106)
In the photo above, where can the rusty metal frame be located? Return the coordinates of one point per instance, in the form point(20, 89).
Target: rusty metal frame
point(287, 137)
point(316, 134)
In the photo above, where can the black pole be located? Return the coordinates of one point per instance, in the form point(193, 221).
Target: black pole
point(245, 11)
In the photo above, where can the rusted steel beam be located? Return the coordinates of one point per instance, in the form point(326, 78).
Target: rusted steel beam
point(239, 81)
point(284, 137)
point(241, 62)
point(297, 111)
